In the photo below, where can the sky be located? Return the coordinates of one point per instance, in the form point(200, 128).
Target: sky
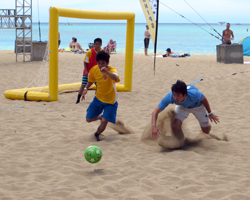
point(213, 11)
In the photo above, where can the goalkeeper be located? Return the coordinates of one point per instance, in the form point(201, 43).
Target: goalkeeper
point(89, 62)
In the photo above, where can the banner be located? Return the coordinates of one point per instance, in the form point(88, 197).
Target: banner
point(149, 8)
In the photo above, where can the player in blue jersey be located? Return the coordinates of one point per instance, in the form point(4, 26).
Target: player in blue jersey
point(188, 99)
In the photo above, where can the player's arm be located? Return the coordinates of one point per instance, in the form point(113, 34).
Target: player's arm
point(206, 104)
point(113, 76)
point(213, 118)
point(86, 90)
point(155, 130)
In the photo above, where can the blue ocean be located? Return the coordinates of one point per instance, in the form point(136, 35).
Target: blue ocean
point(182, 38)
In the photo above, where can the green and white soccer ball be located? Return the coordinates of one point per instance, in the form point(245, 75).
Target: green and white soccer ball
point(93, 154)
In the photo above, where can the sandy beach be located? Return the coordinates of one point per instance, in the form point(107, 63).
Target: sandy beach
point(42, 144)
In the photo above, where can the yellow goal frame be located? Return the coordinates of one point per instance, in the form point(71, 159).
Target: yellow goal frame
point(51, 91)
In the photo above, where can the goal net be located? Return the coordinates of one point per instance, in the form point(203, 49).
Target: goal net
point(61, 70)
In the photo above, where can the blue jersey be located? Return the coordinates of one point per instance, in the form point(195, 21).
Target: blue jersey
point(193, 99)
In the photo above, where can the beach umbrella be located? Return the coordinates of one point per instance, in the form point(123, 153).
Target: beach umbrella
point(246, 45)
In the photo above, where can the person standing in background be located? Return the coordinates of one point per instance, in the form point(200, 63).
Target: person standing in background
point(146, 40)
point(227, 33)
point(59, 39)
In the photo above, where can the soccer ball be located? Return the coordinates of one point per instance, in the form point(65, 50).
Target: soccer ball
point(93, 154)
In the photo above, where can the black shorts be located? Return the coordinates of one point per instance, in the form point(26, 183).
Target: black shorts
point(227, 42)
point(59, 42)
point(146, 42)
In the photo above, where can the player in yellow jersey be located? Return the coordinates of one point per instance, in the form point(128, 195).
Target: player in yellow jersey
point(105, 100)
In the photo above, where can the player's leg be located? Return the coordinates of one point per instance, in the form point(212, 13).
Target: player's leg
point(109, 115)
point(94, 110)
point(84, 83)
point(206, 128)
point(80, 94)
point(101, 128)
point(176, 126)
point(109, 112)
point(99, 117)
point(202, 116)
point(94, 113)
point(181, 114)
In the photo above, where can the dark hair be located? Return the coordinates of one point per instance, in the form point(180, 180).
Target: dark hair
point(168, 50)
point(98, 40)
point(179, 87)
point(101, 55)
point(74, 39)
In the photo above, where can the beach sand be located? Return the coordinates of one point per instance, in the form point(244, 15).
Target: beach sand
point(42, 144)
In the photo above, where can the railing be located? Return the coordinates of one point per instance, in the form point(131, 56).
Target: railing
point(7, 18)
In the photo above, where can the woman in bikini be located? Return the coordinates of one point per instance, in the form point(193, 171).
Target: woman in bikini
point(76, 46)
point(110, 47)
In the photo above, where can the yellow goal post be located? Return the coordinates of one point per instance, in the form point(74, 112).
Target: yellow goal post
point(50, 93)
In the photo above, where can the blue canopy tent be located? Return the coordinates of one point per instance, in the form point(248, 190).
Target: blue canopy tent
point(246, 46)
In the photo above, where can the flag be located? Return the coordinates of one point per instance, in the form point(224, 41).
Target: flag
point(149, 8)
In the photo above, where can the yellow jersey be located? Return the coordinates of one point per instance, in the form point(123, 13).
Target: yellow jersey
point(106, 89)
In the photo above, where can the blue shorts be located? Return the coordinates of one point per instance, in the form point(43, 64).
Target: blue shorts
point(96, 107)
point(84, 80)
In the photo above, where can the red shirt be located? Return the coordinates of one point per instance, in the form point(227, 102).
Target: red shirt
point(92, 61)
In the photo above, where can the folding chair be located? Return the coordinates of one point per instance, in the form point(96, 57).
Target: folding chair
point(91, 45)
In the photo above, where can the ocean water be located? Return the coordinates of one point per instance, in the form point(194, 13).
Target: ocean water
point(182, 38)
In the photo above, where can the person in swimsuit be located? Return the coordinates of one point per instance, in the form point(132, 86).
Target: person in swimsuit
point(76, 46)
point(110, 47)
point(70, 44)
point(146, 40)
point(59, 39)
point(227, 33)
point(169, 53)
